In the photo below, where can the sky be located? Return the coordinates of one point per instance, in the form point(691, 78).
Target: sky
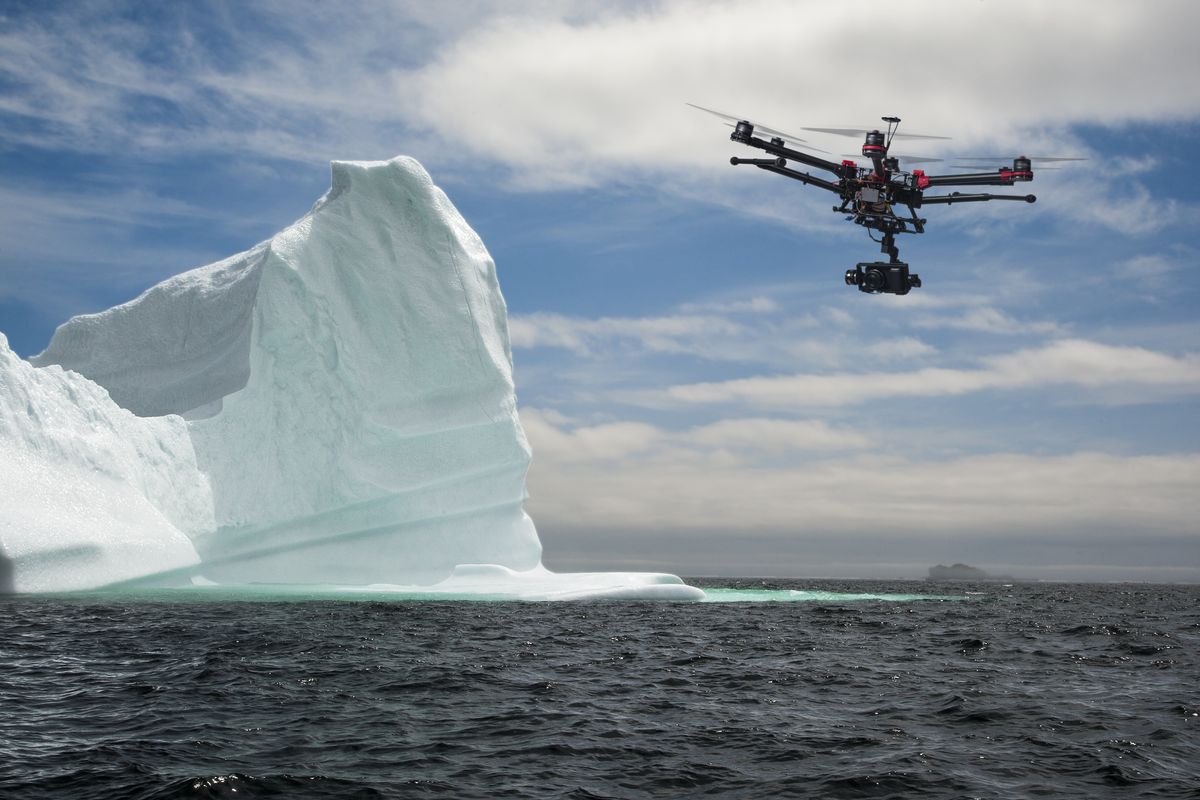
point(703, 393)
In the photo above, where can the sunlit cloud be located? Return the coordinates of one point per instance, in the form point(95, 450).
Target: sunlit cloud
point(1111, 373)
point(728, 442)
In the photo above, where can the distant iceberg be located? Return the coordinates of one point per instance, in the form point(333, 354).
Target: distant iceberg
point(964, 572)
point(335, 406)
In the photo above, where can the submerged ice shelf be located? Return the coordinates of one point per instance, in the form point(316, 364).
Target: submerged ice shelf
point(334, 406)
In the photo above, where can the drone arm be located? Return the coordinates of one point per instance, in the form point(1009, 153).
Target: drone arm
point(1002, 178)
point(788, 153)
point(956, 197)
point(804, 178)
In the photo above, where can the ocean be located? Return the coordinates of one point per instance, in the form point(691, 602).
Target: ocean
point(785, 688)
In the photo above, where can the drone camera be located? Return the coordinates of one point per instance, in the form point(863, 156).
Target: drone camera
point(882, 277)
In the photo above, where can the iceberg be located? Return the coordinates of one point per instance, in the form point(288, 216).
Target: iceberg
point(333, 407)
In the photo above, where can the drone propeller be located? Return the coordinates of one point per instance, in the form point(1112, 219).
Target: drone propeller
point(757, 126)
point(977, 167)
point(909, 159)
point(983, 162)
point(792, 140)
point(1035, 159)
point(863, 131)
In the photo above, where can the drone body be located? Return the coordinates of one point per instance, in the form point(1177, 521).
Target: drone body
point(870, 195)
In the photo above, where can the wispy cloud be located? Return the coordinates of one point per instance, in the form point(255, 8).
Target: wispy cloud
point(986, 319)
point(1108, 373)
point(1155, 273)
point(726, 442)
point(752, 305)
point(669, 334)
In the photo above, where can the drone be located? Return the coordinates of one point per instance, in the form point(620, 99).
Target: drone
point(871, 194)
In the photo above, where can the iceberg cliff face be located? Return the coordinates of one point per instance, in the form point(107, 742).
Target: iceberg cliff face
point(379, 419)
point(334, 406)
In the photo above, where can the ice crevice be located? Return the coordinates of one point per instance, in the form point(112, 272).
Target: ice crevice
point(333, 407)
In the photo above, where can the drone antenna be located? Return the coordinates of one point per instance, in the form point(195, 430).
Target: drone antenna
point(893, 124)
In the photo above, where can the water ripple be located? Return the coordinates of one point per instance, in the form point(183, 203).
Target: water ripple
point(1023, 691)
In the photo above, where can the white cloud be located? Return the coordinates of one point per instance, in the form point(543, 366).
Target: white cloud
point(572, 93)
point(1126, 374)
point(773, 436)
point(752, 305)
point(574, 103)
point(649, 479)
point(986, 319)
point(1150, 267)
point(1108, 199)
point(763, 333)
point(727, 442)
point(575, 93)
point(667, 334)
point(590, 444)
point(891, 349)
point(1156, 273)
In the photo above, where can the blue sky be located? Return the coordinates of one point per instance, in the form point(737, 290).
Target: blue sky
point(703, 393)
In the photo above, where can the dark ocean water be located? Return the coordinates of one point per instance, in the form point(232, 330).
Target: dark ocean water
point(1034, 690)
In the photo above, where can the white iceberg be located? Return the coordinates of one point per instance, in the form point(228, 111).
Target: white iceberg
point(333, 407)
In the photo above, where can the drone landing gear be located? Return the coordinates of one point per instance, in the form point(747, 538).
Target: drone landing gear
point(884, 277)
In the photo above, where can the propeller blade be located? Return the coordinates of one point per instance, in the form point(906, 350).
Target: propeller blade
point(800, 143)
point(758, 128)
point(774, 132)
point(1046, 159)
point(720, 114)
point(909, 159)
point(978, 167)
point(858, 132)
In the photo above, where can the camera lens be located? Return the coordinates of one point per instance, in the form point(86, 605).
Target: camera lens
point(874, 280)
point(851, 277)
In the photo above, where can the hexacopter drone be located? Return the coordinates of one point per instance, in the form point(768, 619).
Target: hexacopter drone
point(871, 194)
